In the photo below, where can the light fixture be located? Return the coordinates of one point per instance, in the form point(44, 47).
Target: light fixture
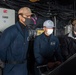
point(34, 0)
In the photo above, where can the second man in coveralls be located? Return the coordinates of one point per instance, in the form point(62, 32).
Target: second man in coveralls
point(46, 45)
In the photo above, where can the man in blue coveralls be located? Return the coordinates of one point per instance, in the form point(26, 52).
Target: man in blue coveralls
point(46, 46)
point(14, 45)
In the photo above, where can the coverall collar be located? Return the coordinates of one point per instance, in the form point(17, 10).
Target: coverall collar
point(20, 29)
point(46, 37)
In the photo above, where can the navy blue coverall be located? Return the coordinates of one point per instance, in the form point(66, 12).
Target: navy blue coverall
point(14, 48)
point(46, 49)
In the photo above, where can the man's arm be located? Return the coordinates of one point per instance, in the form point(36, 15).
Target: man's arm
point(58, 52)
point(38, 57)
point(4, 43)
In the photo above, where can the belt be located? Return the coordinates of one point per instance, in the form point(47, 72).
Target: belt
point(15, 62)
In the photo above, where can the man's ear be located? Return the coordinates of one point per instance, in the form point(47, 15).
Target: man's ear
point(19, 16)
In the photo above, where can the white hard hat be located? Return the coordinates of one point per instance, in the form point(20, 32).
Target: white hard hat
point(48, 24)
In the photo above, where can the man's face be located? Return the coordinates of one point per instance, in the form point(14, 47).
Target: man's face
point(22, 17)
point(74, 29)
point(48, 31)
point(24, 13)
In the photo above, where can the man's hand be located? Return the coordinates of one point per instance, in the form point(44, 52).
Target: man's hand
point(54, 64)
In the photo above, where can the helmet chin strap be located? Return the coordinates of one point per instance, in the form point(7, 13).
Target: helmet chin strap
point(34, 20)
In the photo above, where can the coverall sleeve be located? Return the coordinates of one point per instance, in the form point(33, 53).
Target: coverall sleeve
point(38, 57)
point(4, 43)
point(58, 52)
